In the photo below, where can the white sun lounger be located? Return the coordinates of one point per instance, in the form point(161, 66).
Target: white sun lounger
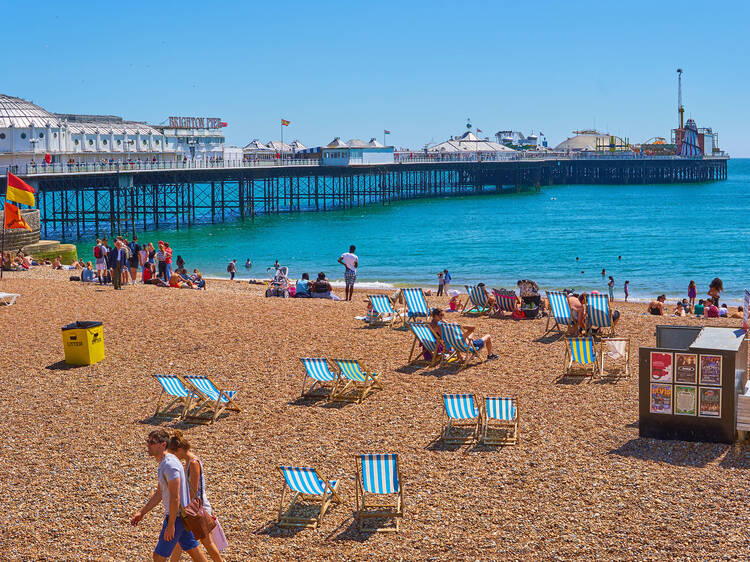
point(8, 298)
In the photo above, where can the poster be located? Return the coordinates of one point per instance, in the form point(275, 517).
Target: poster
point(685, 400)
point(661, 398)
point(711, 370)
point(686, 368)
point(661, 367)
point(710, 402)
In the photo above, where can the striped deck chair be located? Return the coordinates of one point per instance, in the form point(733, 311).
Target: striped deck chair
point(424, 335)
point(213, 399)
point(500, 421)
point(600, 315)
point(382, 310)
point(307, 487)
point(353, 383)
point(459, 413)
point(172, 386)
point(580, 353)
point(316, 368)
point(615, 350)
point(560, 312)
point(416, 305)
point(8, 298)
point(456, 345)
point(476, 301)
point(505, 303)
point(378, 475)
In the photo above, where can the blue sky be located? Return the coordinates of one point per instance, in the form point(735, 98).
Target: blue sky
point(352, 69)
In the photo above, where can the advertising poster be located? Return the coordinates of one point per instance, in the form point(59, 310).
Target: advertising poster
point(710, 402)
point(661, 398)
point(661, 367)
point(711, 370)
point(685, 400)
point(686, 368)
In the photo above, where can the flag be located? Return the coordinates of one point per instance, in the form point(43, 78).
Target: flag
point(19, 191)
point(386, 132)
point(223, 123)
point(479, 130)
point(13, 217)
point(285, 123)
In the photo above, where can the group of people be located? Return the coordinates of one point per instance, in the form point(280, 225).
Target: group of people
point(709, 307)
point(120, 264)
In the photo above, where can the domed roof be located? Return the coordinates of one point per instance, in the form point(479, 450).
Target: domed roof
point(22, 113)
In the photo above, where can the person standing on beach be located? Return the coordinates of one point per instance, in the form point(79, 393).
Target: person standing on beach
point(692, 293)
point(135, 259)
point(350, 261)
point(446, 281)
point(100, 256)
point(611, 286)
point(626, 288)
point(168, 259)
point(118, 263)
point(172, 491)
point(161, 263)
point(232, 269)
point(441, 284)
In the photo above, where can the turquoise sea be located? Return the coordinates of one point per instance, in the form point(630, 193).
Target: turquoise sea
point(666, 235)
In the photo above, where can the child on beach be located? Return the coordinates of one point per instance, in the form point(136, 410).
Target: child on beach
point(626, 287)
point(611, 286)
point(692, 293)
point(455, 301)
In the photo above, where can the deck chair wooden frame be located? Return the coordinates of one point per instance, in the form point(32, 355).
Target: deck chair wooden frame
point(178, 386)
point(561, 324)
point(603, 354)
point(8, 299)
point(452, 425)
point(415, 359)
point(321, 386)
point(585, 346)
point(505, 303)
point(599, 316)
point(371, 505)
point(492, 425)
point(410, 316)
point(480, 305)
point(382, 318)
point(352, 385)
point(459, 353)
point(286, 517)
point(213, 406)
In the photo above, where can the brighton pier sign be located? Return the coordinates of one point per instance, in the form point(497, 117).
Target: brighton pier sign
point(196, 123)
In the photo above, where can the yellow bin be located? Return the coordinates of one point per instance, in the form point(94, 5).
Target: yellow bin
point(83, 343)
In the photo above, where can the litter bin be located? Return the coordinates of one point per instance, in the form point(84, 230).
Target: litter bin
point(83, 343)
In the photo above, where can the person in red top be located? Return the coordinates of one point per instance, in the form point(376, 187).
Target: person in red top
point(168, 259)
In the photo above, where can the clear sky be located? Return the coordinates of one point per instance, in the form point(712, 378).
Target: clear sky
point(419, 69)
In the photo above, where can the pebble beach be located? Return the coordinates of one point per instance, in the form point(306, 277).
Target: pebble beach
point(579, 485)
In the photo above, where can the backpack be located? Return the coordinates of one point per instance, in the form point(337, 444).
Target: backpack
point(229, 268)
point(97, 251)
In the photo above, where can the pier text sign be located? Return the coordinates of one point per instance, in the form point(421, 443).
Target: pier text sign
point(196, 122)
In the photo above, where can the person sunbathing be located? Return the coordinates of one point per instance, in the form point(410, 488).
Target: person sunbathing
point(656, 307)
point(739, 314)
point(198, 280)
point(437, 316)
point(679, 309)
point(57, 264)
point(176, 281)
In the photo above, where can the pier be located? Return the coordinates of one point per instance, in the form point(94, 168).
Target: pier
point(98, 199)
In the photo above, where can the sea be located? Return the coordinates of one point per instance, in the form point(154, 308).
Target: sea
point(657, 237)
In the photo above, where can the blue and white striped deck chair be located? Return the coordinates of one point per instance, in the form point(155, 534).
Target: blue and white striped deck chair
point(459, 413)
point(456, 344)
point(307, 486)
point(316, 368)
point(416, 305)
point(505, 303)
point(172, 386)
point(559, 312)
point(354, 382)
point(378, 475)
point(382, 310)
point(424, 335)
point(476, 301)
point(213, 399)
point(500, 421)
point(600, 314)
point(580, 353)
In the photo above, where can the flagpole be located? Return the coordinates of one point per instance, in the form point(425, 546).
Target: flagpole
point(281, 148)
point(2, 244)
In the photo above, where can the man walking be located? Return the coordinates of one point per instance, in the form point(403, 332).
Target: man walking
point(351, 262)
point(172, 491)
point(232, 269)
point(117, 259)
point(446, 281)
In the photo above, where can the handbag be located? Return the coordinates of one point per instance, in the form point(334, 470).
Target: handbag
point(195, 517)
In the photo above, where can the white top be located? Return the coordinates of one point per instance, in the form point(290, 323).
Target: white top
point(202, 486)
point(349, 260)
point(170, 468)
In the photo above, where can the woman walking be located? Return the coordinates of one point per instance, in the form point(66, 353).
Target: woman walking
point(180, 447)
point(611, 286)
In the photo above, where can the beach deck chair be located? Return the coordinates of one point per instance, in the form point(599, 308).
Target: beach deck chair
point(580, 356)
point(416, 305)
point(456, 345)
point(476, 301)
point(600, 315)
point(382, 310)
point(505, 303)
point(354, 383)
point(213, 400)
point(379, 492)
point(316, 368)
point(424, 335)
point(560, 312)
point(8, 298)
point(615, 350)
point(459, 414)
point(499, 421)
point(172, 387)
point(307, 487)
